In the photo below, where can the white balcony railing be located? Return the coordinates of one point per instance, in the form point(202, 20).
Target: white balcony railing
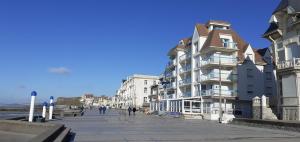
point(294, 63)
point(185, 82)
point(216, 76)
point(185, 94)
point(223, 60)
point(185, 56)
point(185, 69)
point(230, 45)
point(215, 92)
point(171, 85)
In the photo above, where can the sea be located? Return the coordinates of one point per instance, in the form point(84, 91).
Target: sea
point(12, 114)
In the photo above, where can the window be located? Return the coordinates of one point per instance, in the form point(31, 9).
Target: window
point(225, 42)
point(268, 76)
point(154, 82)
point(145, 82)
point(145, 90)
point(145, 99)
point(249, 73)
point(196, 47)
point(293, 51)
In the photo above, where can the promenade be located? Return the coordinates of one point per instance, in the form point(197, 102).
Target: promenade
point(116, 126)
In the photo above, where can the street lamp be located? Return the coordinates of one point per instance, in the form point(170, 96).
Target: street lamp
point(220, 90)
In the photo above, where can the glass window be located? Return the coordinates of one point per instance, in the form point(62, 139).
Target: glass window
point(145, 90)
point(145, 82)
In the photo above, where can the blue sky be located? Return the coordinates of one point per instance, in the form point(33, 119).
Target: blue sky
point(72, 47)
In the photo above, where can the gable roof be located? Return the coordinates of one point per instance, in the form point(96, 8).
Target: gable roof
point(213, 39)
point(262, 51)
point(202, 30)
point(272, 28)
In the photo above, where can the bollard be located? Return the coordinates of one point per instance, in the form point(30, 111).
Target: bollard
point(33, 95)
point(44, 109)
point(51, 111)
point(51, 99)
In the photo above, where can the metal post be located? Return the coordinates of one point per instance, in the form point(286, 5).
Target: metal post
point(220, 90)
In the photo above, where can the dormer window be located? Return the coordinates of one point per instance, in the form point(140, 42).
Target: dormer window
point(225, 42)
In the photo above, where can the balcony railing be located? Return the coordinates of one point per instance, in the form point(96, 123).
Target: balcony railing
point(289, 64)
point(185, 82)
point(171, 85)
point(223, 61)
point(215, 76)
point(185, 69)
point(230, 45)
point(171, 74)
point(185, 56)
point(185, 94)
point(215, 92)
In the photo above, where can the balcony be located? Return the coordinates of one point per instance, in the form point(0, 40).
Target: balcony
point(185, 94)
point(185, 82)
point(215, 77)
point(185, 69)
point(215, 93)
point(171, 64)
point(289, 64)
point(227, 47)
point(213, 61)
point(171, 74)
point(171, 85)
point(185, 57)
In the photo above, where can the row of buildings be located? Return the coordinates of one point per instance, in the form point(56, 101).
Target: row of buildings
point(90, 100)
point(216, 73)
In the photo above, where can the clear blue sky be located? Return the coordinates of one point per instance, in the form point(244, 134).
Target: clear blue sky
point(72, 47)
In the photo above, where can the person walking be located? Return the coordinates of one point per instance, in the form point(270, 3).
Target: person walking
point(134, 110)
point(104, 109)
point(129, 110)
point(100, 109)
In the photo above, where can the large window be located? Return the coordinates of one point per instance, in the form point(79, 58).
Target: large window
point(293, 51)
point(145, 90)
point(145, 82)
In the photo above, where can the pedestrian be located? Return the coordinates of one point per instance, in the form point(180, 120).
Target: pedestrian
point(100, 109)
point(129, 110)
point(104, 109)
point(134, 110)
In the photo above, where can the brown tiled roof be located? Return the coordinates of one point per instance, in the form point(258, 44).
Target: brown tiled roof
point(202, 30)
point(258, 57)
point(186, 42)
point(213, 39)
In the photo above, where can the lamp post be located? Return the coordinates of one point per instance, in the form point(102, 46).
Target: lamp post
point(220, 90)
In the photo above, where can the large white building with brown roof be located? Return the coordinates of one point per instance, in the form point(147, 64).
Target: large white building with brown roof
point(216, 62)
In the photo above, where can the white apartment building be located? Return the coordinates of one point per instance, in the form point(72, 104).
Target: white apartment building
point(284, 33)
point(134, 91)
point(216, 62)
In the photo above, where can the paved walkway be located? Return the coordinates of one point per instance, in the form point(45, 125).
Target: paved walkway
point(115, 126)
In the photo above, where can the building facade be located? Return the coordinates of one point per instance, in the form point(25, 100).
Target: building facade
point(156, 95)
point(215, 72)
point(134, 91)
point(283, 32)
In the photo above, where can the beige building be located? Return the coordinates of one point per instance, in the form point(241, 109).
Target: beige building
point(134, 91)
point(284, 33)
